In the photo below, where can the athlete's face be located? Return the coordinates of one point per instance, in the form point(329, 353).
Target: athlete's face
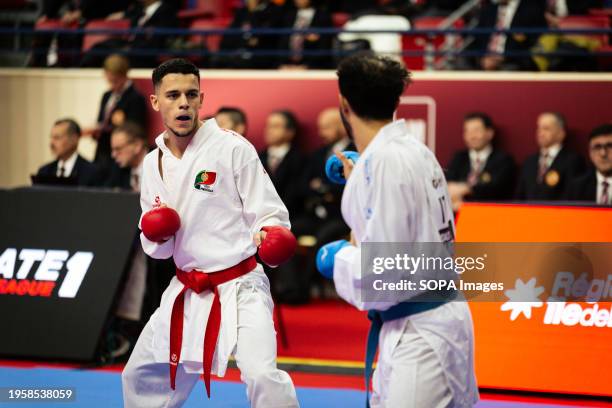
point(178, 99)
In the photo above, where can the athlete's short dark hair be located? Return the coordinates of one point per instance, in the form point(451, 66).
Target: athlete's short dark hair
point(174, 66)
point(372, 84)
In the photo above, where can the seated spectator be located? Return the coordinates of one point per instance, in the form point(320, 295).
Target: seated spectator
point(232, 118)
point(282, 159)
point(65, 135)
point(284, 163)
point(499, 47)
point(305, 15)
point(481, 172)
point(566, 52)
point(128, 148)
point(596, 185)
point(143, 48)
point(70, 14)
point(244, 47)
point(320, 220)
point(120, 104)
point(545, 175)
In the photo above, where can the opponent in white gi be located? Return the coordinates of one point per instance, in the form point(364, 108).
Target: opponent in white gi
point(396, 192)
point(214, 180)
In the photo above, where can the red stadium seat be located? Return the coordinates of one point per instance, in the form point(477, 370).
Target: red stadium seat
point(209, 9)
point(89, 40)
point(210, 41)
point(53, 24)
point(419, 42)
point(340, 19)
point(587, 22)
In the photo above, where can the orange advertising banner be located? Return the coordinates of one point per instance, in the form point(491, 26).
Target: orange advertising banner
point(547, 346)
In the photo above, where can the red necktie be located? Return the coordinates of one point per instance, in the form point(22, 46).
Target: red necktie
point(605, 193)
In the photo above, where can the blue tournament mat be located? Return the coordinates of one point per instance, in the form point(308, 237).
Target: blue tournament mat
point(101, 389)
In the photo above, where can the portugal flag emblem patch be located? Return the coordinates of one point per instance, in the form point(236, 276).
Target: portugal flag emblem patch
point(205, 180)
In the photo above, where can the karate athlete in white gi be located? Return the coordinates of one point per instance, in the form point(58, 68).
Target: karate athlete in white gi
point(396, 192)
point(214, 180)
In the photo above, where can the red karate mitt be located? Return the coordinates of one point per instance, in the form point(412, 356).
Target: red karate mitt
point(278, 246)
point(160, 223)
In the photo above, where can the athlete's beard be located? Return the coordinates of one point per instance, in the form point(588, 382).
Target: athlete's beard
point(347, 126)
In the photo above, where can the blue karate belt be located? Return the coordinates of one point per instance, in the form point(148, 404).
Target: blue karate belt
point(378, 317)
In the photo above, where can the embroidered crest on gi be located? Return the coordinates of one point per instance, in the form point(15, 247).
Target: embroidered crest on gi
point(205, 180)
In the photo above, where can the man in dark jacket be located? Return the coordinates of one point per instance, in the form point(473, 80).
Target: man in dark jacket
point(546, 174)
point(68, 164)
point(596, 185)
point(500, 49)
point(122, 103)
point(142, 48)
point(481, 172)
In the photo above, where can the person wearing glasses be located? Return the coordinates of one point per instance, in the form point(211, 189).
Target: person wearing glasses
point(128, 149)
point(596, 184)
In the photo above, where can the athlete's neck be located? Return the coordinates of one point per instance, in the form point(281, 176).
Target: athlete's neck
point(178, 144)
point(366, 130)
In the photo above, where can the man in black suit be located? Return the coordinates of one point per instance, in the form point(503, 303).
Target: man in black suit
point(545, 175)
point(282, 159)
point(596, 185)
point(507, 14)
point(243, 49)
point(481, 172)
point(320, 220)
point(142, 48)
point(120, 104)
point(305, 15)
point(65, 135)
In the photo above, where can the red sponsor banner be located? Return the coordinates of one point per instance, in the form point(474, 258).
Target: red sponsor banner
point(512, 100)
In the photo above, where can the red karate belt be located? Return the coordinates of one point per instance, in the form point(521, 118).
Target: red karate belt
point(199, 282)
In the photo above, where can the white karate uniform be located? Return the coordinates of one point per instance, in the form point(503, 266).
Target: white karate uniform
point(217, 227)
point(397, 193)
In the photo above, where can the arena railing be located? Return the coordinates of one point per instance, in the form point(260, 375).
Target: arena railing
point(428, 52)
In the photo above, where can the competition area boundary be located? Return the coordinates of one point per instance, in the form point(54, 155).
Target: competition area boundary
point(85, 381)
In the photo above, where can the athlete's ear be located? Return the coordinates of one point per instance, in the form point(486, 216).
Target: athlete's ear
point(154, 102)
point(345, 108)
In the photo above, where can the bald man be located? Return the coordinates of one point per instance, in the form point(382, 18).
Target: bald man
point(545, 175)
point(320, 221)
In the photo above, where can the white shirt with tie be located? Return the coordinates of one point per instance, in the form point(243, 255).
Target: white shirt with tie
point(478, 159)
point(601, 189)
point(65, 167)
point(550, 153)
point(276, 154)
